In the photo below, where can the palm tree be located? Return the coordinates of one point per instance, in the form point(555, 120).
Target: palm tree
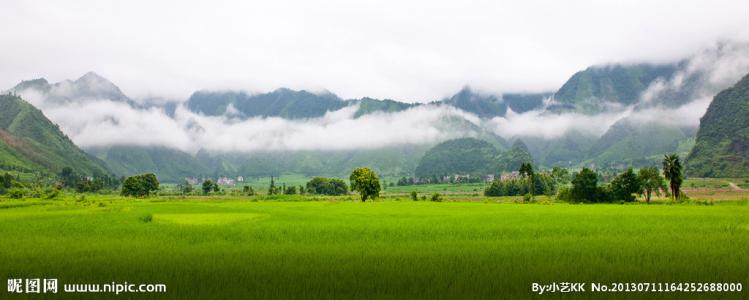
point(672, 171)
point(526, 170)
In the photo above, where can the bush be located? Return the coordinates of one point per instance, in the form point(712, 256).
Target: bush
point(436, 197)
point(564, 194)
point(414, 196)
point(147, 218)
point(16, 193)
point(51, 193)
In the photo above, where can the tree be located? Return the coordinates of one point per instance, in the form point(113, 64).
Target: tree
point(672, 170)
point(585, 186)
point(247, 190)
point(272, 187)
point(68, 177)
point(624, 185)
point(291, 190)
point(140, 185)
point(208, 186)
point(526, 171)
point(560, 175)
point(185, 187)
point(366, 182)
point(651, 181)
point(6, 181)
point(327, 186)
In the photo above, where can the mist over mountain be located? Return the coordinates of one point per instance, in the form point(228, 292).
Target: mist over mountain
point(30, 143)
point(597, 117)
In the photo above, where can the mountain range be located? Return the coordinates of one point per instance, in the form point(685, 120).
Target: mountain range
point(624, 93)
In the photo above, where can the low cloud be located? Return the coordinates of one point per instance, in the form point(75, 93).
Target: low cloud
point(95, 123)
point(680, 100)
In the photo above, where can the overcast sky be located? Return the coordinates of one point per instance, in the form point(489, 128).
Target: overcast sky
point(405, 50)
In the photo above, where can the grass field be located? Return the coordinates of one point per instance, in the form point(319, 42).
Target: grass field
point(259, 247)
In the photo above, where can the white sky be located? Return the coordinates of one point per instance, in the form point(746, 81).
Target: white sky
point(405, 50)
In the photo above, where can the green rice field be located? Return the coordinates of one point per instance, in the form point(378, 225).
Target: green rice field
point(260, 247)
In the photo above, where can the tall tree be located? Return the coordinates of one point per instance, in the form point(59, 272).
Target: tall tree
point(651, 181)
point(272, 188)
point(672, 170)
point(585, 186)
point(365, 181)
point(526, 171)
point(624, 185)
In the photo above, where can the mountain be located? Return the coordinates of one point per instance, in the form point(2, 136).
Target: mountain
point(369, 105)
point(487, 106)
point(567, 150)
point(282, 102)
point(722, 146)
point(512, 159)
point(630, 143)
point(88, 86)
point(458, 156)
point(31, 143)
point(171, 165)
point(597, 88)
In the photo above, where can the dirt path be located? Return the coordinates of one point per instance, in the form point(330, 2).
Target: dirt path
point(734, 186)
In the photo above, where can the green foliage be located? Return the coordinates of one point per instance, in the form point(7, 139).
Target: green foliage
point(366, 182)
point(560, 175)
point(327, 186)
point(185, 187)
point(148, 218)
point(290, 190)
point(624, 186)
point(722, 146)
point(464, 156)
point(585, 188)
point(651, 182)
point(140, 185)
point(16, 192)
point(247, 190)
point(209, 186)
point(543, 183)
point(436, 197)
point(414, 196)
point(672, 170)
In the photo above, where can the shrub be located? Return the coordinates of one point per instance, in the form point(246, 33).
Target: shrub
point(564, 194)
point(414, 196)
point(51, 193)
point(147, 218)
point(16, 193)
point(436, 197)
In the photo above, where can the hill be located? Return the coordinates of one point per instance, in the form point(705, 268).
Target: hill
point(722, 146)
point(29, 142)
point(458, 156)
point(628, 143)
point(512, 159)
point(591, 90)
